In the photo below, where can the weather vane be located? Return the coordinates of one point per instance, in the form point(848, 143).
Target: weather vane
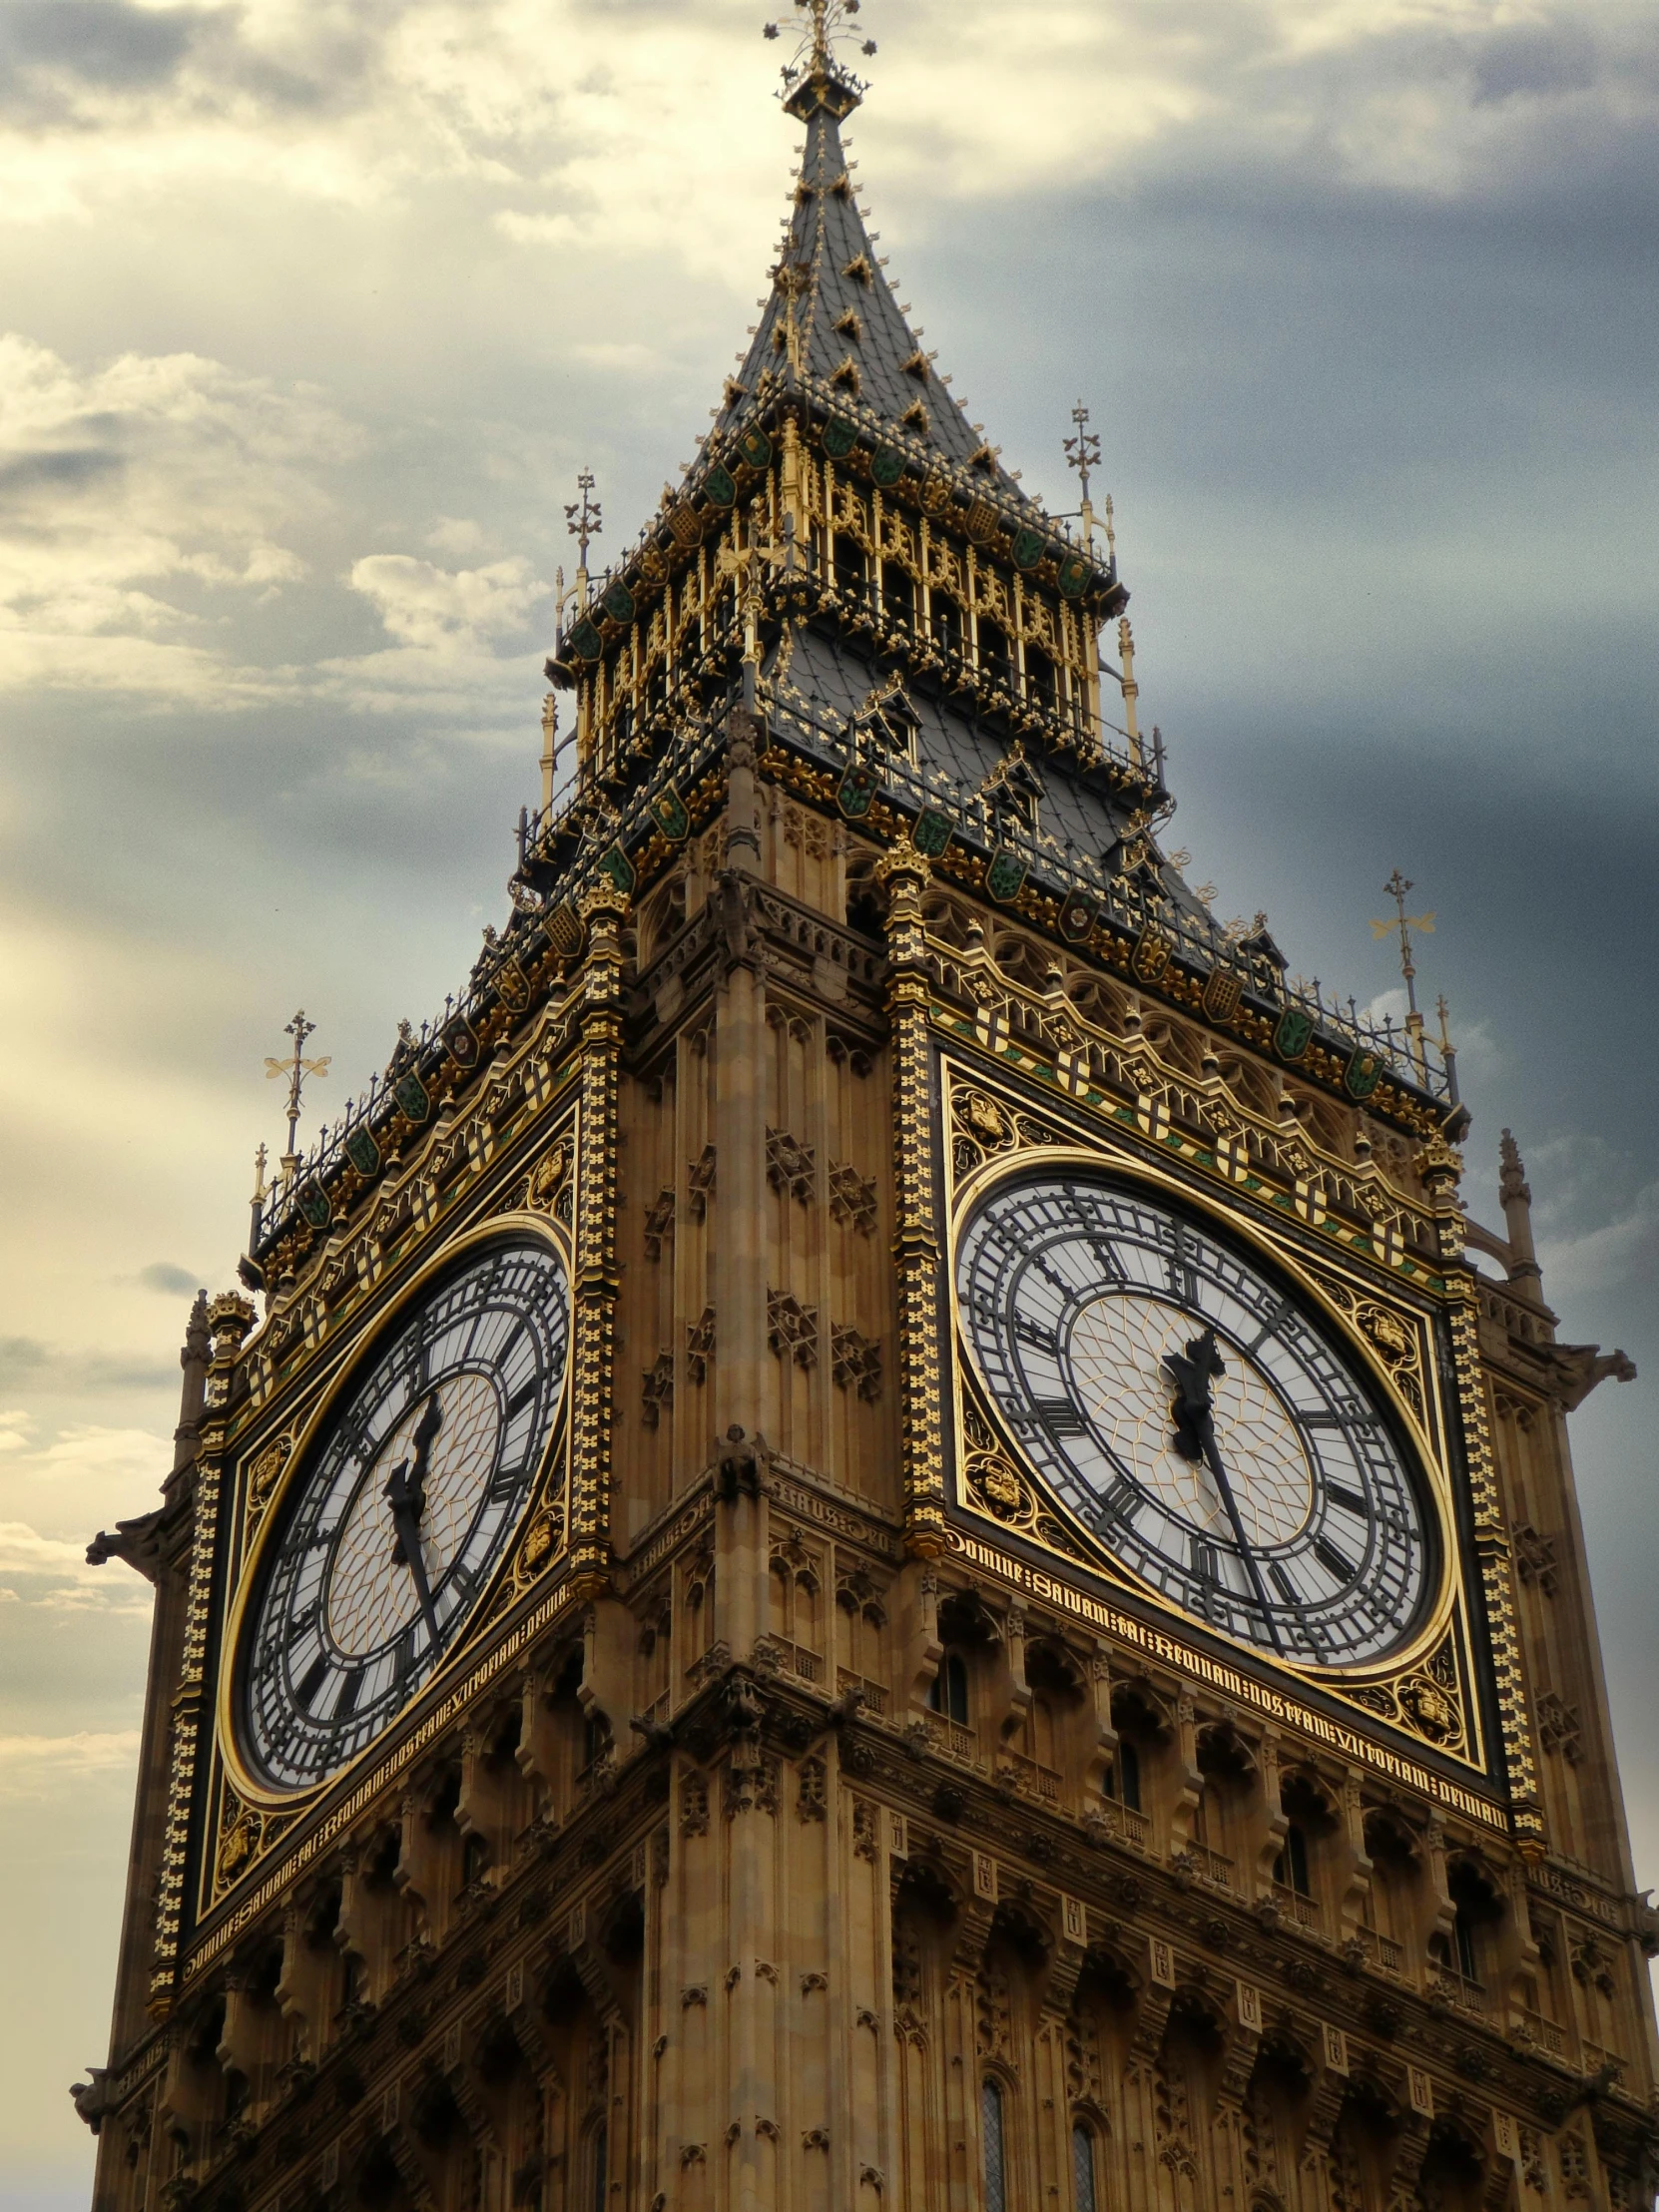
point(295, 1069)
point(827, 21)
point(584, 521)
point(1397, 886)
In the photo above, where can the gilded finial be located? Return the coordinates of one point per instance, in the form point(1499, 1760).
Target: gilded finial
point(1397, 886)
point(584, 521)
point(816, 77)
point(297, 1067)
point(1082, 453)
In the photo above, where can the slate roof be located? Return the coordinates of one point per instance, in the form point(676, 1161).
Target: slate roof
point(846, 310)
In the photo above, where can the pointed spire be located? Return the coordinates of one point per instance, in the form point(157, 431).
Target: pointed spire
point(1515, 1196)
point(832, 319)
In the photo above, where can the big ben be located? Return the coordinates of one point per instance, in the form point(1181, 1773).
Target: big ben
point(875, 1534)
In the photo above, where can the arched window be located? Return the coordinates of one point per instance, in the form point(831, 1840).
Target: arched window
point(852, 567)
point(995, 657)
point(990, 2127)
point(1464, 1945)
point(950, 1693)
point(599, 2177)
point(1291, 1867)
point(1082, 2167)
point(947, 624)
point(899, 594)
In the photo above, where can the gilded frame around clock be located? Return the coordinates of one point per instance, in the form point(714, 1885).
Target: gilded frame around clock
point(1425, 1689)
point(548, 1504)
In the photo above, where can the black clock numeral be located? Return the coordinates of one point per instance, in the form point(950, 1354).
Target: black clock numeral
point(1034, 1334)
point(1205, 1569)
point(504, 1487)
point(1123, 1502)
point(1350, 1501)
point(1325, 1552)
point(350, 1690)
point(1284, 1586)
point(522, 1397)
point(302, 1624)
point(315, 1676)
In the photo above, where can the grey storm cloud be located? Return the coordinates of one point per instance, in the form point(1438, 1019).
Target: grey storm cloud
point(163, 1276)
point(28, 1363)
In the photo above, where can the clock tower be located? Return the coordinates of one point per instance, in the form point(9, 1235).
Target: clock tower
point(877, 1536)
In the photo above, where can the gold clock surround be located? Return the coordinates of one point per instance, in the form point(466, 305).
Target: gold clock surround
point(1425, 1689)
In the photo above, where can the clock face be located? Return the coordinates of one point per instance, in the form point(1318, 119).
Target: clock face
point(404, 1511)
point(1194, 1414)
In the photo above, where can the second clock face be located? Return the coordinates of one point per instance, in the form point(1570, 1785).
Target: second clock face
point(404, 1510)
point(1197, 1415)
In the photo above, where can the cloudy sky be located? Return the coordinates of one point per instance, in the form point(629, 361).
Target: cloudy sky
point(309, 311)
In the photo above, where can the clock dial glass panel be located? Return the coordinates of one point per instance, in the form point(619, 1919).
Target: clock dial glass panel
point(1194, 1414)
point(404, 1510)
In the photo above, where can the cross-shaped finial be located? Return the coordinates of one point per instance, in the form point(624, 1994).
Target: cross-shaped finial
point(295, 1068)
point(1397, 886)
point(1083, 450)
point(583, 518)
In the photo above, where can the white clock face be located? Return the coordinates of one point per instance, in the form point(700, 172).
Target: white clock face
point(1195, 1414)
point(396, 1524)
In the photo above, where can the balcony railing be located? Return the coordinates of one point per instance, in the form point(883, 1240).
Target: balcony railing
point(1214, 1866)
point(1382, 1951)
point(1303, 1911)
point(1028, 1777)
point(1456, 1989)
point(951, 1739)
point(1126, 1826)
point(1542, 2034)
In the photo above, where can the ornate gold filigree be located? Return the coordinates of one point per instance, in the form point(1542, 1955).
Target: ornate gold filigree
point(262, 1477)
point(982, 1126)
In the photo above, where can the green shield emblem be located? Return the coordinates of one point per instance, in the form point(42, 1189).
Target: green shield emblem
point(856, 791)
point(1363, 1073)
point(1004, 876)
point(363, 1152)
point(313, 1204)
point(887, 466)
point(931, 832)
point(1077, 918)
point(1074, 575)
point(618, 602)
point(618, 870)
point(667, 811)
point(1290, 1038)
point(1028, 548)
point(840, 438)
point(461, 1043)
point(410, 1093)
point(755, 446)
point(719, 485)
point(585, 641)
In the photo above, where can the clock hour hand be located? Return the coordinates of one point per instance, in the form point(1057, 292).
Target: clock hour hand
point(1193, 1412)
point(407, 1496)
